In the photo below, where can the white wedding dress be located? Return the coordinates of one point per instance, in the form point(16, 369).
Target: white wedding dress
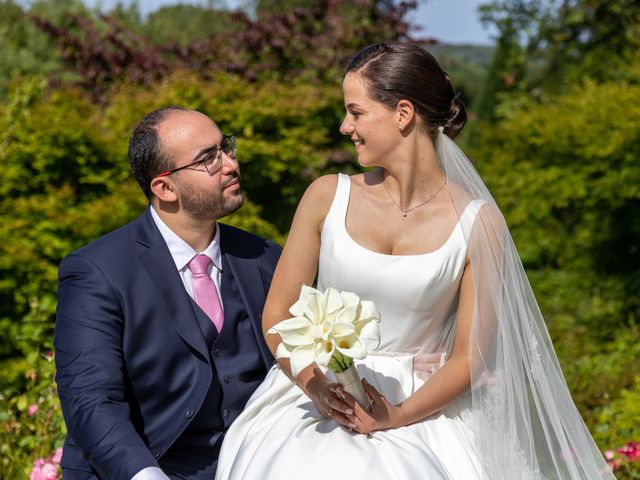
point(280, 435)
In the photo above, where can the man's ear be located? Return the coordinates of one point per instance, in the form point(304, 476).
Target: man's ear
point(164, 189)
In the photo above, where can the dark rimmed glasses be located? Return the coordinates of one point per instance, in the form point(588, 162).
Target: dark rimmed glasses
point(212, 158)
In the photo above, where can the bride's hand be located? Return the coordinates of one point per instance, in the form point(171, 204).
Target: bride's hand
point(382, 415)
point(327, 397)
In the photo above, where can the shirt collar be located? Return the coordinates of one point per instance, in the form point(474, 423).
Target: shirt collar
point(181, 251)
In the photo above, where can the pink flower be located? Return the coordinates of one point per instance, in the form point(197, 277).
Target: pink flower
point(57, 456)
point(44, 470)
point(50, 471)
point(32, 410)
point(631, 450)
point(609, 454)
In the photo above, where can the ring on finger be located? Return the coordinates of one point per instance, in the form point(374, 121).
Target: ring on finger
point(329, 412)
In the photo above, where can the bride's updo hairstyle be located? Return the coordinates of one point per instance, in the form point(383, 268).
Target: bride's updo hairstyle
point(402, 71)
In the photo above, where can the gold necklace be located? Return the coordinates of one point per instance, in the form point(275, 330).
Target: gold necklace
point(431, 195)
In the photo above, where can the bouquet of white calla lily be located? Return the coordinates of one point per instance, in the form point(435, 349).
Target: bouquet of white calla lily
point(328, 328)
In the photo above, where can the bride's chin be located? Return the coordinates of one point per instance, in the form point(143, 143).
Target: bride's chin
point(363, 161)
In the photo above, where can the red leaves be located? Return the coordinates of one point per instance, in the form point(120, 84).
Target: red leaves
point(314, 41)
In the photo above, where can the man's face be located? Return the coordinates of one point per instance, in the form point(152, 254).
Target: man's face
point(186, 136)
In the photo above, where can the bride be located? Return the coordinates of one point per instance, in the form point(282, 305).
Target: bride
point(422, 238)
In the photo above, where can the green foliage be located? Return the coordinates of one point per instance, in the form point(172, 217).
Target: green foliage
point(559, 152)
point(617, 422)
point(564, 170)
point(564, 41)
point(25, 49)
point(551, 176)
point(66, 181)
point(628, 471)
point(504, 75)
point(31, 418)
point(185, 23)
point(466, 65)
point(287, 132)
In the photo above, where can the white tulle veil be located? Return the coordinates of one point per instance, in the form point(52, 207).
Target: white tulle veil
point(525, 423)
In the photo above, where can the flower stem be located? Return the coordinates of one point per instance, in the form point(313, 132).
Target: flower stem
point(342, 362)
point(333, 365)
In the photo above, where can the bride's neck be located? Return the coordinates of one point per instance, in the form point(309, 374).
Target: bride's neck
point(415, 172)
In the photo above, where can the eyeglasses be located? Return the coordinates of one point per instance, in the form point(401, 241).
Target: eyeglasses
point(212, 159)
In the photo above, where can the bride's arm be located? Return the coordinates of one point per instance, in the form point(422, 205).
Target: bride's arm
point(298, 266)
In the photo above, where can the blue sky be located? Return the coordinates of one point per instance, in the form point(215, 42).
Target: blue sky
point(450, 21)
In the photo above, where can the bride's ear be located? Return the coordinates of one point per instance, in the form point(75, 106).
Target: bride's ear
point(405, 113)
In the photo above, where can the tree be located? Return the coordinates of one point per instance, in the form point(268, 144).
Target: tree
point(312, 42)
point(564, 40)
point(25, 49)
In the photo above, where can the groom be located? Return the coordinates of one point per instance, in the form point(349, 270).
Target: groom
point(158, 333)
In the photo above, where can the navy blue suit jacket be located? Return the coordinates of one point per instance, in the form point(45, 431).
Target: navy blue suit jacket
point(132, 363)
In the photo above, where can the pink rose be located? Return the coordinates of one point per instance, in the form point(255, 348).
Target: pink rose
point(609, 455)
point(32, 410)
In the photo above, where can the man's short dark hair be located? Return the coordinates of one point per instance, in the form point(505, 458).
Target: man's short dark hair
point(146, 156)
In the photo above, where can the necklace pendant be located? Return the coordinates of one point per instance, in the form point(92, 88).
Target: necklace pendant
point(404, 214)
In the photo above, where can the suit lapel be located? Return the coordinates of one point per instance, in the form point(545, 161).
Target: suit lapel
point(170, 289)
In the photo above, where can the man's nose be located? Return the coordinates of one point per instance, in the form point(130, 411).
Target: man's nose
point(229, 163)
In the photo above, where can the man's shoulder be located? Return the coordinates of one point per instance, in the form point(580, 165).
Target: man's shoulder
point(236, 240)
point(111, 244)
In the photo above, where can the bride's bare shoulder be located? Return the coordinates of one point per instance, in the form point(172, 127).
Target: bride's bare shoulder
point(319, 195)
point(322, 189)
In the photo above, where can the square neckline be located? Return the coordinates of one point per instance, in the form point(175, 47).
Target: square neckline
point(343, 224)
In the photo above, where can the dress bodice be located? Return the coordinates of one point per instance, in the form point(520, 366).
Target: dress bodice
point(416, 294)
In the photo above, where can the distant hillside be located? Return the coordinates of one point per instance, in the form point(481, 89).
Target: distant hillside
point(467, 65)
point(476, 54)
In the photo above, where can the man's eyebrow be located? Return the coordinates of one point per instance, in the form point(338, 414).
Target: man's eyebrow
point(206, 150)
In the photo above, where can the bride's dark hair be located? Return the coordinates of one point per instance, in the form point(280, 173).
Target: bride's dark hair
point(402, 71)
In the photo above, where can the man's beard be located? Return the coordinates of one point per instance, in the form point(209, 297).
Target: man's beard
point(207, 205)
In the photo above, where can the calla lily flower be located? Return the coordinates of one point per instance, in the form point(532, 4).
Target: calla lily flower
point(324, 323)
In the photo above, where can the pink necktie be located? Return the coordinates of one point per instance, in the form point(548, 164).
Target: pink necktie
point(205, 290)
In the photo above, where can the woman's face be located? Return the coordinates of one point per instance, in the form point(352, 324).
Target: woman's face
point(372, 126)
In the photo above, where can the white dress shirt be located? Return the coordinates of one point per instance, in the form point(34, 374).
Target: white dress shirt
point(182, 253)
